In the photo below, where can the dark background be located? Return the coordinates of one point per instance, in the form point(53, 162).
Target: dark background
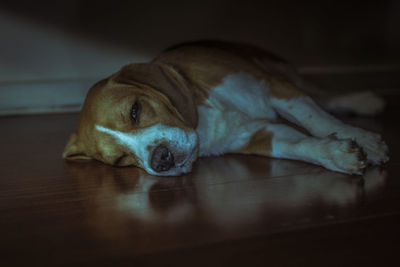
point(307, 32)
point(51, 52)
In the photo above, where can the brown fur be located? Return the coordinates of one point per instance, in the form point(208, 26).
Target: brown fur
point(170, 88)
point(108, 103)
point(205, 64)
point(259, 144)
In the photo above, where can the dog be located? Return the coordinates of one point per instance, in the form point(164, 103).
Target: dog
point(210, 98)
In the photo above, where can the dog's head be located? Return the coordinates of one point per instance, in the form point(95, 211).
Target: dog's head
point(143, 115)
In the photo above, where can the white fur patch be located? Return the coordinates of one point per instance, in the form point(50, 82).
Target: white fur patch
point(179, 141)
point(338, 155)
point(243, 93)
point(234, 111)
point(306, 113)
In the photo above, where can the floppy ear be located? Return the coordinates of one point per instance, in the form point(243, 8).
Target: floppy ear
point(74, 149)
point(166, 79)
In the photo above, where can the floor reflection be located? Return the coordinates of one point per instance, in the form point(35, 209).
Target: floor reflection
point(221, 196)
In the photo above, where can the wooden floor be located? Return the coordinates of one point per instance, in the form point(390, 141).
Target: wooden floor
point(231, 211)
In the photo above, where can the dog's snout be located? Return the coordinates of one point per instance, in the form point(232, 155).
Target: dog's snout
point(162, 159)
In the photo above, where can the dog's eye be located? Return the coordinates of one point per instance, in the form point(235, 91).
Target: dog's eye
point(135, 112)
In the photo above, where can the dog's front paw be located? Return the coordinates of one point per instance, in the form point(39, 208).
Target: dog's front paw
point(345, 156)
point(376, 149)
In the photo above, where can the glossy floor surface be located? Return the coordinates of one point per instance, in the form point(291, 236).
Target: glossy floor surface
point(231, 211)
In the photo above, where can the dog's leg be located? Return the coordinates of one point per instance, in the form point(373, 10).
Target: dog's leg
point(304, 112)
point(282, 141)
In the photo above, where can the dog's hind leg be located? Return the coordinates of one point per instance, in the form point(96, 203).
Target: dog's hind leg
point(283, 141)
point(304, 112)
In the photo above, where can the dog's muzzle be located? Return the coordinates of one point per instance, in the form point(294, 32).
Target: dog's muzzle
point(162, 159)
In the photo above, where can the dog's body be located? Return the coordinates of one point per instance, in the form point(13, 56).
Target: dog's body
point(211, 98)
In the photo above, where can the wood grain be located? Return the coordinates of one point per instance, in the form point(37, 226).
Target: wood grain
point(231, 211)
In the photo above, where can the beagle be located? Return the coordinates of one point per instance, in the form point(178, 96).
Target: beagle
point(211, 98)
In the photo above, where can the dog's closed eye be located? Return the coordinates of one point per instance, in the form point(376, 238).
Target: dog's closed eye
point(135, 112)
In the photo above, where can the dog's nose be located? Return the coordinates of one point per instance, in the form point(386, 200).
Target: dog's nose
point(162, 159)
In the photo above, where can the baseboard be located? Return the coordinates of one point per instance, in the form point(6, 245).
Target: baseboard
point(38, 97)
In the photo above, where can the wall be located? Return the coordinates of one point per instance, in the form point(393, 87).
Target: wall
point(52, 51)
